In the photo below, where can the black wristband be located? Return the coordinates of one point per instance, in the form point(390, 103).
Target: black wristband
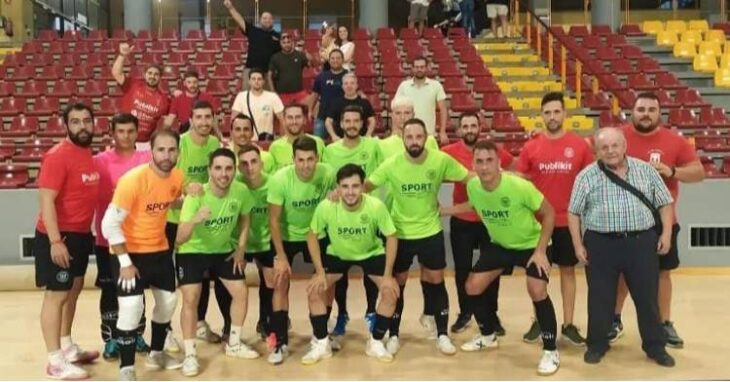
point(674, 172)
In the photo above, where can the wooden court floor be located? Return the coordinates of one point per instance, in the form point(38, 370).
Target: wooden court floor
point(701, 312)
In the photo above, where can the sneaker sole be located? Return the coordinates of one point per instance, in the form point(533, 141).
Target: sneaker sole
point(67, 379)
point(675, 346)
point(483, 348)
point(189, 374)
point(460, 329)
point(314, 362)
point(618, 335)
point(233, 355)
point(545, 374)
point(570, 341)
point(530, 340)
point(381, 359)
point(150, 366)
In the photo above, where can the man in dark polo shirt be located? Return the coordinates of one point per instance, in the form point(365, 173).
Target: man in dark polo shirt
point(327, 88)
point(351, 97)
point(285, 72)
point(263, 41)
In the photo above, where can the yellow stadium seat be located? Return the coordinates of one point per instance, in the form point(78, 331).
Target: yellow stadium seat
point(579, 123)
point(710, 48)
point(666, 38)
point(722, 78)
point(695, 37)
point(725, 61)
point(705, 64)
point(698, 25)
point(685, 49)
point(715, 35)
point(678, 26)
point(571, 103)
point(531, 123)
point(652, 27)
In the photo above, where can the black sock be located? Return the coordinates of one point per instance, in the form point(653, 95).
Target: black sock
point(126, 340)
point(319, 326)
point(265, 300)
point(109, 311)
point(395, 321)
point(427, 298)
point(341, 295)
point(329, 312)
point(285, 333)
point(548, 325)
point(224, 299)
point(441, 308)
point(382, 324)
point(277, 325)
point(159, 332)
point(482, 314)
point(204, 298)
point(491, 297)
point(371, 294)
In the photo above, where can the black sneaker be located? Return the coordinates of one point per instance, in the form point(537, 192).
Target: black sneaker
point(593, 356)
point(571, 334)
point(663, 359)
point(673, 339)
point(498, 328)
point(532, 335)
point(617, 329)
point(462, 322)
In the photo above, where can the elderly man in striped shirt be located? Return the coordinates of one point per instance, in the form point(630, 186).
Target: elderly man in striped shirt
point(620, 237)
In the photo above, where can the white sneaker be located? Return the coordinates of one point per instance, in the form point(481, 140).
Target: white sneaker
point(190, 366)
point(319, 350)
point(205, 334)
point(335, 343)
point(376, 349)
point(480, 342)
point(277, 356)
point(429, 323)
point(127, 373)
point(162, 360)
point(171, 343)
point(66, 371)
point(241, 351)
point(549, 363)
point(393, 345)
point(445, 346)
point(75, 354)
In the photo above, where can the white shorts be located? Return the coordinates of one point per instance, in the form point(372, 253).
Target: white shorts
point(496, 9)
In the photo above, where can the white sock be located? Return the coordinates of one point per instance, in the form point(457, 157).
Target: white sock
point(56, 357)
point(66, 342)
point(235, 337)
point(190, 348)
point(126, 368)
point(154, 353)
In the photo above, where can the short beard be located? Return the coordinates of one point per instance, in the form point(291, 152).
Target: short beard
point(471, 139)
point(415, 152)
point(643, 129)
point(78, 141)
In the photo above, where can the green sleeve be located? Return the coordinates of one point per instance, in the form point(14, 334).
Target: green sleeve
point(454, 170)
point(268, 161)
point(385, 222)
point(470, 192)
point(380, 175)
point(276, 192)
point(319, 221)
point(320, 147)
point(190, 207)
point(330, 175)
point(532, 196)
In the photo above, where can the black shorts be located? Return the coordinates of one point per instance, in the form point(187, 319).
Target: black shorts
point(430, 251)
point(670, 261)
point(561, 250)
point(493, 257)
point(264, 259)
point(103, 267)
point(372, 266)
point(50, 275)
point(155, 270)
point(292, 248)
point(171, 235)
point(192, 268)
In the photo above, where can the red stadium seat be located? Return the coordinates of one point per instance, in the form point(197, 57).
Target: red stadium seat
point(82, 72)
point(44, 106)
point(218, 35)
point(68, 60)
point(108, 46)
point(169, 35)
point(13, 176)
point(495, 102)
point(71, 35)
point(375, 102)
point(97, 35)
point(23, 73)
point(32, 47)
point(146, 35)
point(7, 150)
point(361, 34)
point(139, 46)
point(477, 69)
point(32, 89)
point(591, 42)
point(607, 119)
point(224, 72)
point(622, 67)
point(690, 98)
point(506, 122)
point(7, 89)
point(640, 81)
point(160, 47)
point(211, 46)
point(122, 35)
point(218, 88)
point(600, 30)
point(449, 69)
point(13, 60)
point(365, 71)
point(616, 41)
point(683, 119)
point(649, 65)
point(203, 58)
point(51, 73)
point(668, 81)
point(368, 85)
point(177, 58)
point(631, 30)
point(151, 58)
point(195, 35)
point(432, 33)
point(312, 34)
point(11, 106)
point(238, 46)
point(391, 84)
point(385, 34)
point(631, 52)
point(107, 107)
point(455, 85)
point(21, 126)
point(579, 31)
point(607, 53)
point(485, 85)
point(230, 58)
point(714, 117)
point(393, 69)
point(33, 150)
point(54, 128)
point(598, 101)
point(463, 103)
point(47, 35)
point(94, 88)
point(185, 47)
point(666, 100)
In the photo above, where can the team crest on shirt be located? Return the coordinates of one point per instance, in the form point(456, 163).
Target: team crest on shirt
point(430, 174)
point(569, 152)
point(364, 219)
point(655, 156)
point(91, 178)
point(505, 202)
point(233, 207)
point(62, 276)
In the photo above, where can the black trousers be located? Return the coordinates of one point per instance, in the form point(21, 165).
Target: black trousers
point(634, 255)
point(466, 236)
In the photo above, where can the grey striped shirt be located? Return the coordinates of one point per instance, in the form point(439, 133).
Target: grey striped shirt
point(606, 207)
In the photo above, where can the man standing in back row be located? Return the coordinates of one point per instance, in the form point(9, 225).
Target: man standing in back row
point(676, 161)
point(286, 71)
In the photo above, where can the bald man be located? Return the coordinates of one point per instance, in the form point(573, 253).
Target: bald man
point(626, 210)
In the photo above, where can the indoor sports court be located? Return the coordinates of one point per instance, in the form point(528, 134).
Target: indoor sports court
point(519, 74)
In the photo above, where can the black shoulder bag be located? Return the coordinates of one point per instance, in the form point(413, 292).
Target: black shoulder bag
point(658, 227)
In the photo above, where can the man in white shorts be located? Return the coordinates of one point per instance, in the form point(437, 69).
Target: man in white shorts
point(418, 14)
point(498, 8)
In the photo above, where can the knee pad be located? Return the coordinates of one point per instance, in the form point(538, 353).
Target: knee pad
point(165, 304)
point(131, 309)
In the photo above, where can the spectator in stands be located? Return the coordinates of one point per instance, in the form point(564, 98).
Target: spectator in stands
point(327, 88)
point(143, 99)
point(498, 8)
point(351, 97)
point(449, 17)
point(427, 94)
point(285, 71)
point(328, 44)
point(181, 106)
point(263, 41)
point(261, 105)
point(419, 14)
point(467, 17)
point(347, 47)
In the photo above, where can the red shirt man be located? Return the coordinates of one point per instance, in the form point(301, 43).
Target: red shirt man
point(181, 105)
